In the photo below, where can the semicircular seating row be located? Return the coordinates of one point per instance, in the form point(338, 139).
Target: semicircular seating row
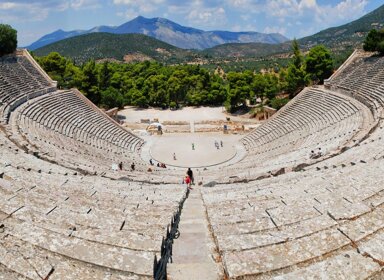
point(363, 79)
point(58, 224)
point(64, 126)
point(66, 121)
point(19, 81)
point(303, 224)
point(315, 119)
point(326, 221)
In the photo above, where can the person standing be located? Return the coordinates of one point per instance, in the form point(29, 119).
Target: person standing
point(133, 166)
point(190, 175)
point(188, 182)
point(174, 156)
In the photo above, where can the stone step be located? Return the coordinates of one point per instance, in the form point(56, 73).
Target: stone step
point(194, 251)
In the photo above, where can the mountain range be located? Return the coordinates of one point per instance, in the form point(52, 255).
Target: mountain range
point(352, 32)
point(99, 45)
point(339, 39)
point(169, 32)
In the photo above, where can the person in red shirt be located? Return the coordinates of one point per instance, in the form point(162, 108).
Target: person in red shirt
point(188, 182)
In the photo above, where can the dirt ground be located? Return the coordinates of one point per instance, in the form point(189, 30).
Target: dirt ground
point(197, 114)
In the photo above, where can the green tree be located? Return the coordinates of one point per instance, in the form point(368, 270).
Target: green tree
point(60, 69)
point(157, 90)
point(104, 76)
point(73, 76)
point(138, 99)
point(111, 98)
point(296, 78)
point(90, 83)
point(278, 103)
point(374, 41)
point(380, 47)
point(177, 86)
point(8, 39)
point(271, 86)
point(239, 89)
point(319, 63)
point(297, 57)
point(53, 63)
point(217, 92)
point(258, 86)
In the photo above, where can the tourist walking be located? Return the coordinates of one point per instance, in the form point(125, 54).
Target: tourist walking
point(217, 144)
point(190, 174)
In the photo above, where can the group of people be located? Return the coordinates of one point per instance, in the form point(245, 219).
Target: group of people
point(217, 144)
point(121, 166)
point(159, 164)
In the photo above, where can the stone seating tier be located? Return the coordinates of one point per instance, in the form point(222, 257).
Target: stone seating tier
point(49, 218)
point(363, 78)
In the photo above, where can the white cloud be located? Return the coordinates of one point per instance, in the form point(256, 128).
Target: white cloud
point(130, 14)
point(124, 2)
point(209, 17)
point(178, 10)
point(139, 7)
point(275, 29)
point(38, 10)
point(7, 6)
point(200, 14)
point(313, 14)
point(24, 12)
point(345, 10)
point(84, 4)
point(236, 28)
point(241, 3)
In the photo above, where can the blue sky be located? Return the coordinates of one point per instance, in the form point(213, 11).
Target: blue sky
point(292, 18)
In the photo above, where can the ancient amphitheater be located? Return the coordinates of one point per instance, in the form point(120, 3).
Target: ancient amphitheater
point(276, 213)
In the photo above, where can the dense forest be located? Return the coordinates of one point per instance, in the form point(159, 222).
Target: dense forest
point(149, 83)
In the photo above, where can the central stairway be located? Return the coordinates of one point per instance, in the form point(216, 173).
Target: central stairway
point(194, 252)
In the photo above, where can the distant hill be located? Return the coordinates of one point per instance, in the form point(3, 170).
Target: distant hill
point(350, 34)
point(246, 50)
point(129, 47)
point(169, 32)
point(338, 39)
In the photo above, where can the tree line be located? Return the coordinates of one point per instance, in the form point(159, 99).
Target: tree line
point(150, 83)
